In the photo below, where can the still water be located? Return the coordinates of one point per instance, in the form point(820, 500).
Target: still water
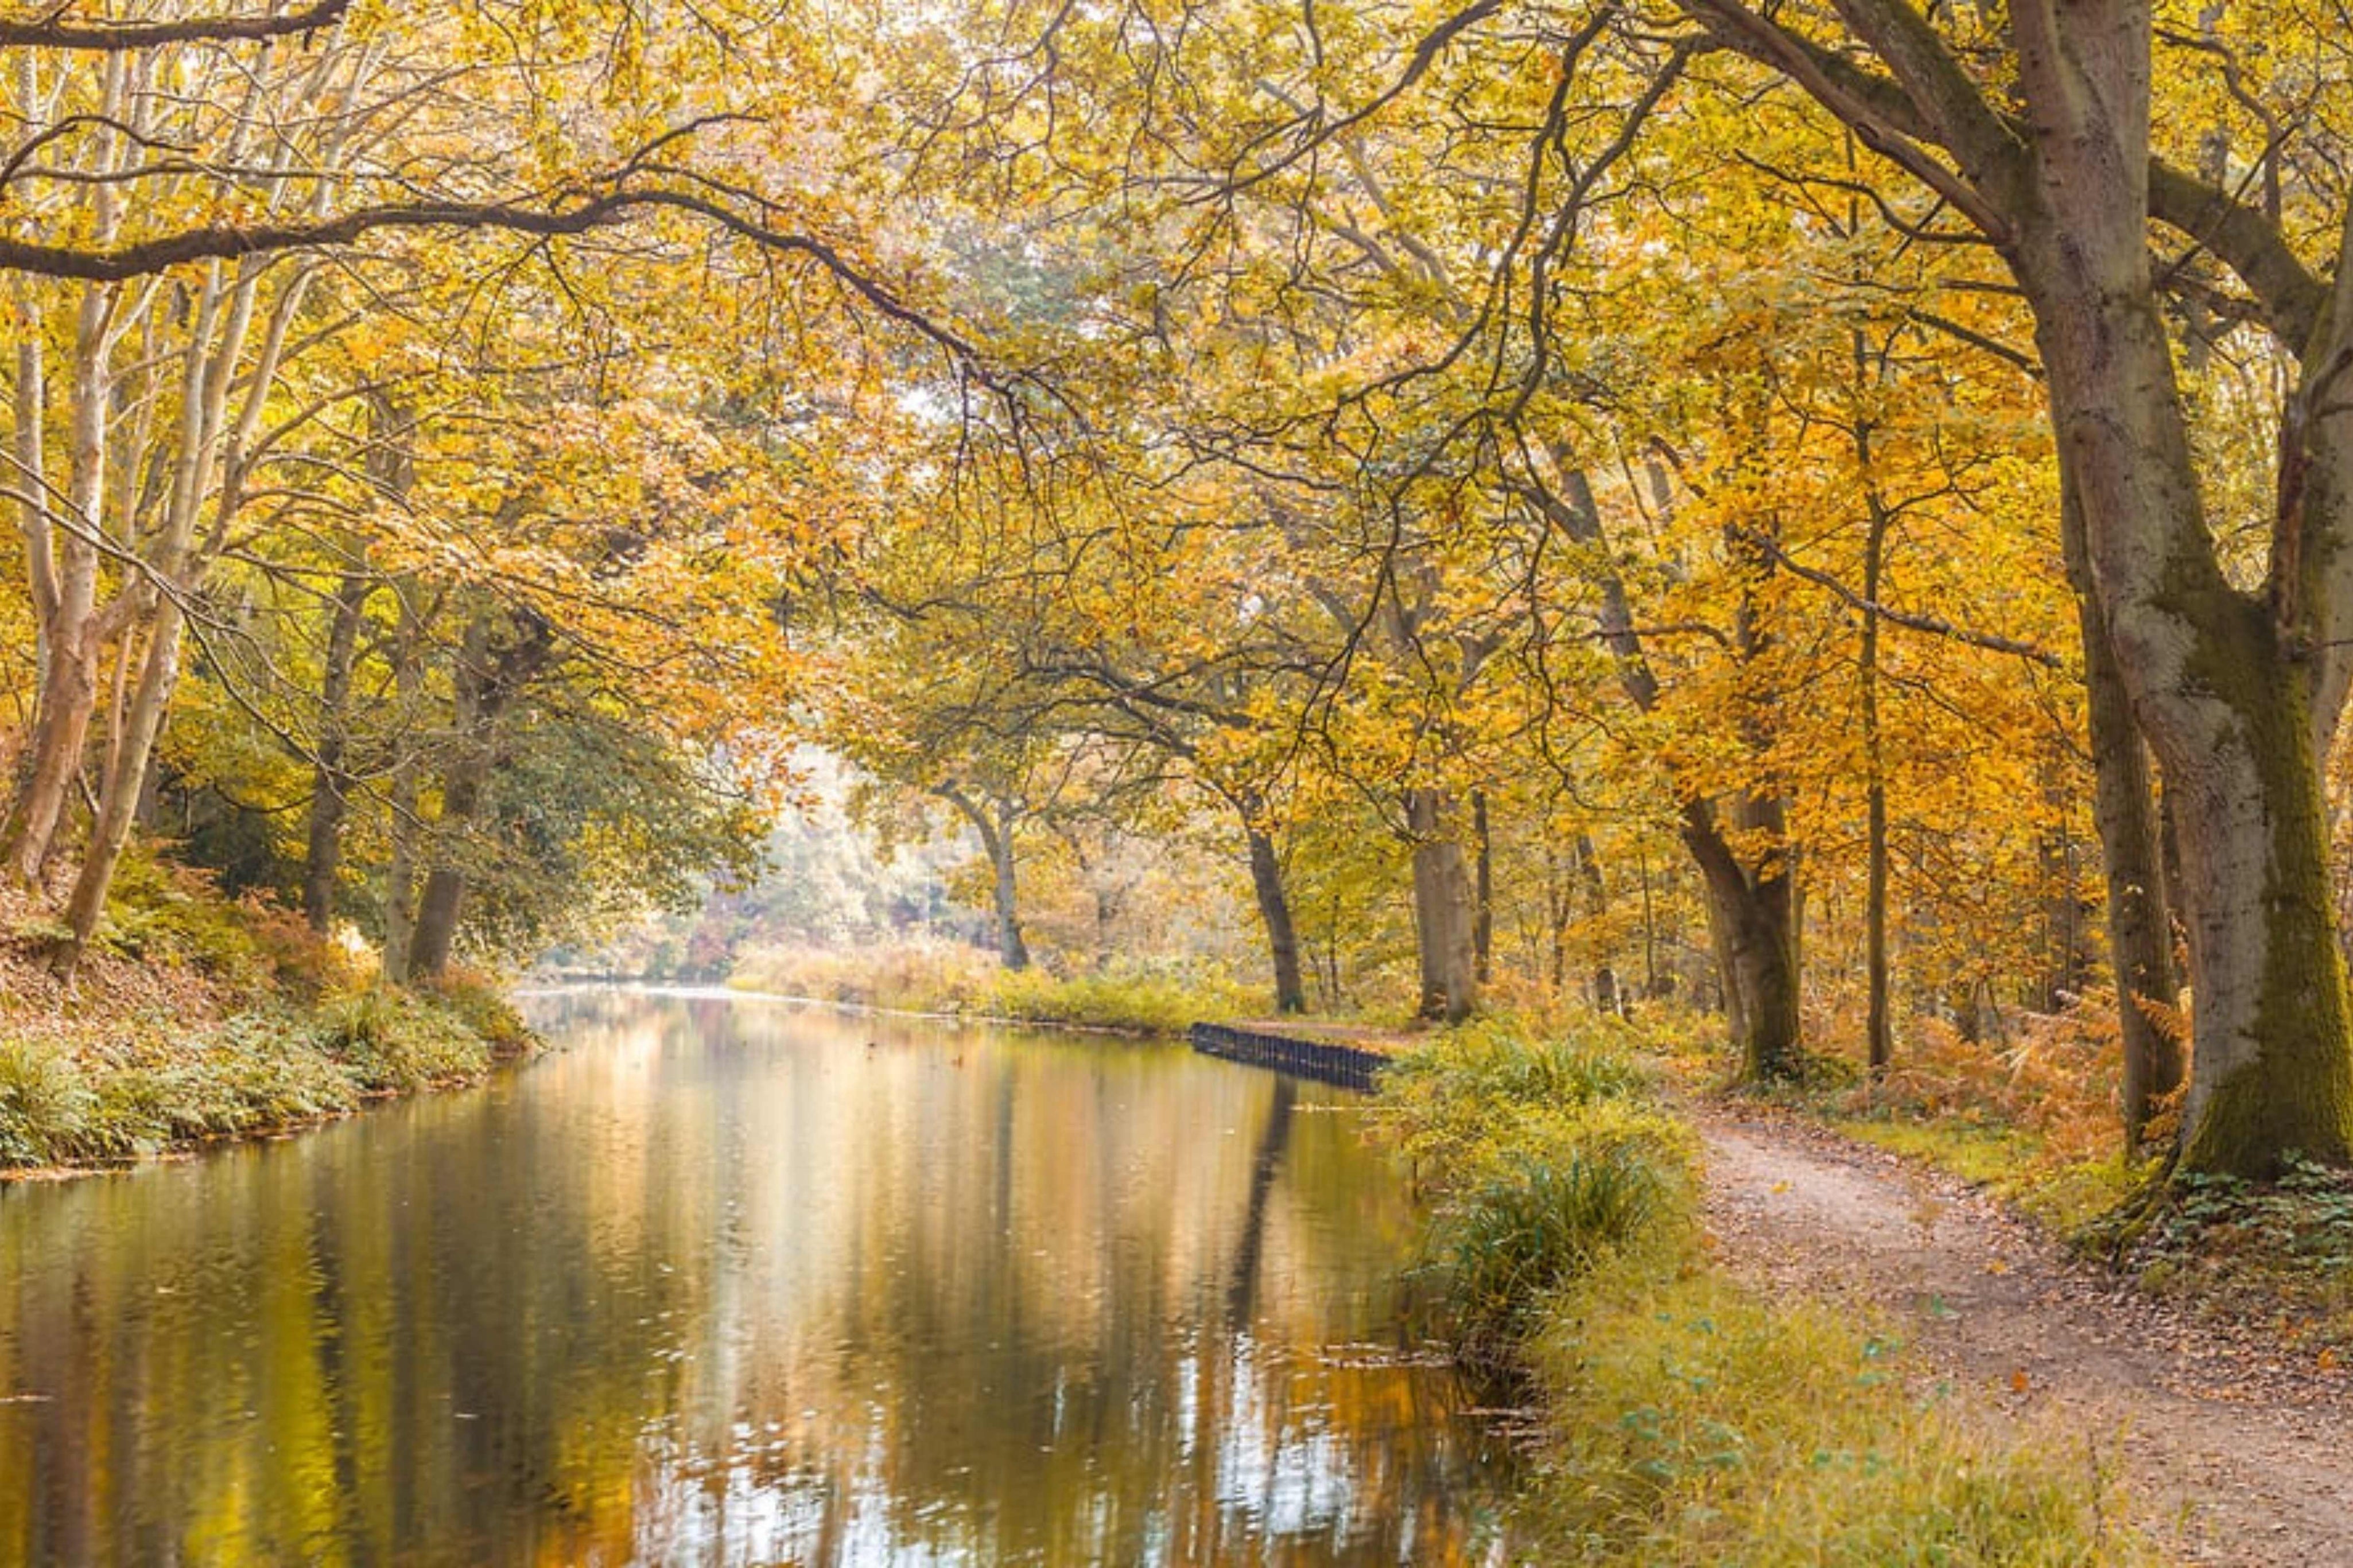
point(736, 1282)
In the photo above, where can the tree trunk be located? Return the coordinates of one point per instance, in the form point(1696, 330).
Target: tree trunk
point(1607, 994)
point(443, 899)
point(484, 683)
point(1012, 948)
point(330, 782)
point(2223, 683)
point(1879, 1021)
point(2140, 941)
point(1751, 912)
point(63, 564)
point(1274, 909)
point(158, 674)
point(1442, 912)
point(1751, 902)
point(400, 866)
point(437, 908)
point(60, 730)
point(995, 820)
point(1482, 924)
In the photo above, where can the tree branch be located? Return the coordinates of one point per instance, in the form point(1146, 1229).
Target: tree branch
point(105, 37)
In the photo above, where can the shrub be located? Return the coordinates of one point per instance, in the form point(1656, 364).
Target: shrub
point(392, 1041)
point(45, 1105)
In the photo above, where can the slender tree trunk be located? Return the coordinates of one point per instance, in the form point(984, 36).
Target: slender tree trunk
point(1482, 924)
point(1274, 909)
point(1560, 910)
point(1607, 996)
point(158, 674)
point(1012, 947)
point(65, 563)
point(330, 782)
point(400, 866)
point(1879, 1021)
point(60, 731)
point(1443, 913)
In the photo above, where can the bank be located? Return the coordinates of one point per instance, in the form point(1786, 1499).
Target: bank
point(197, 1018)
point(1678, 1416)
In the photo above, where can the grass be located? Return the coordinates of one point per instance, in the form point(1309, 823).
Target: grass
point(964, 981)
point(2015, 1164)
point(1685, 1420)
point(1693, 1423)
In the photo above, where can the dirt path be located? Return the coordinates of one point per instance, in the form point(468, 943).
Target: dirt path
point(2234, 1457)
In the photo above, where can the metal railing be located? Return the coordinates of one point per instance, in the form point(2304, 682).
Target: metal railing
point(1347, 1066)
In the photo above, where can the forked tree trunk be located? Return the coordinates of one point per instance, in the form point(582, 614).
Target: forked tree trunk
point(1751, 917)
point(159, 675)
point(1443, 917)
point(995, 820)
point(2223, 683)
point(1281, 935)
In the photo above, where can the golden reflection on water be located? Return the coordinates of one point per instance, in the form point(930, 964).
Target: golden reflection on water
point(732, 1282)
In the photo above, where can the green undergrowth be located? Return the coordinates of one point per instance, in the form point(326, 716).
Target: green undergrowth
point(2273, 1254)
point(1684, 1419)
point(159, 1082)
point(966, 983)
point(195, 1017)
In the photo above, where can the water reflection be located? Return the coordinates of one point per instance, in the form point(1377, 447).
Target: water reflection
point(734, 1283)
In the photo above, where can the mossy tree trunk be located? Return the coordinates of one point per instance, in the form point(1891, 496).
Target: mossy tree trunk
point(1752, 920)
point(2236, 692)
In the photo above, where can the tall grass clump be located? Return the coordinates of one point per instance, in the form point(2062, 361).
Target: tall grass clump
point(1683, 1420)
point(1545, 1159)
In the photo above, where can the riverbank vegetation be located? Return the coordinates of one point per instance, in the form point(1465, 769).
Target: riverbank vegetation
point(1680, 1416)
point(198, 1018)
point(956, 980)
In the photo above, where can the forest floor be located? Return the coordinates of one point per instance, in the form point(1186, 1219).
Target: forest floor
point(2231, 1448)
